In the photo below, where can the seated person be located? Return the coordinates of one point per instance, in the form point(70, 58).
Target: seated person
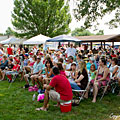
point(14, 70)
point(47, 75)
point(91, 61)
point(25, 63)
point(82, 79)
point(3, 65)
point(117, 77)
point(61, 69)
point(9, 68)
point(29, 67)
point(67, 66)
point(37, 67)
point(101, 79)
point(113, 68)
point(73, 74)
point(92, 72)
point(62, 92)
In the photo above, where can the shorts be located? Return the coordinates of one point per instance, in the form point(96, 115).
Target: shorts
point(55, 96)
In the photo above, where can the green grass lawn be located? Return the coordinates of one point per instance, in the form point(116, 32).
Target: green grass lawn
point(16, 104)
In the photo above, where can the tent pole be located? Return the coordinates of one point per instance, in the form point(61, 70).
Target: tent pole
point(91, 45)
point(79, 44)
point(104, 45)
point(113, 44)
point(101, 45)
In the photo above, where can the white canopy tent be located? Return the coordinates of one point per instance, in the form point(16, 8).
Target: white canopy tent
point(12, 40)
point(39, 39)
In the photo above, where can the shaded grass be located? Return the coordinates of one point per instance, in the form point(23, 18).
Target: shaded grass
point(16, 104)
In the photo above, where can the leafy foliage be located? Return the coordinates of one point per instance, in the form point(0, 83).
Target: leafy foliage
point(9, 31)
point(47, 17)
point(83, 32)
point(1, 34)
point(101, 32)
point(92, 10)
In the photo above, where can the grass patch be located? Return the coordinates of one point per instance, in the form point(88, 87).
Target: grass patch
point(16, 104)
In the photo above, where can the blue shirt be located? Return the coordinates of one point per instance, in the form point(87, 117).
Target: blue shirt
point(37, 67)
point(89, 65)
point(26, 62)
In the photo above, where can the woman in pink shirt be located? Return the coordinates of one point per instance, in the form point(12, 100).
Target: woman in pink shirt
point(61, 69)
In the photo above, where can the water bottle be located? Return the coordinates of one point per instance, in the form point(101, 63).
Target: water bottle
point(33, 99)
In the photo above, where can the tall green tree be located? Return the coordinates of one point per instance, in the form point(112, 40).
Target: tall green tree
point(9, 32)
point(81, 32)
point(100, 32)
point(47, 17)
point(92, 10)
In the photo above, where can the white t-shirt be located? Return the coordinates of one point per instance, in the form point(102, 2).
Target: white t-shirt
point(118, 75)
point(68, 66)
point(55, 60)
point(31, 60)
point(70, 51)
point(1, 53)
point(112, 68)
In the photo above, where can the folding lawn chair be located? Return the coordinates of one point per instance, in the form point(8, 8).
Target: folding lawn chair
point(78, 96)
point(14, 76)
point(105, 88)
point(13, 79)
point(114, 85)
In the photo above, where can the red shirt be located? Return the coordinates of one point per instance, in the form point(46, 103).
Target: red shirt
point(10, 51)
point(62, 86)
point(113, 55)
point(16, 67)
point(62, 73)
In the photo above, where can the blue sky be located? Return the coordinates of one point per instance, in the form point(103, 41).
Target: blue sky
point(6, 7)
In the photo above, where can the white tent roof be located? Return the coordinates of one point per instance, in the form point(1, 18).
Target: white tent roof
point(12, 40)
point(39, 39)
point(63, 38)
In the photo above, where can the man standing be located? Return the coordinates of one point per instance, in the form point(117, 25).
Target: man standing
point(9, 51)
point(70, 51)
point(62, 92)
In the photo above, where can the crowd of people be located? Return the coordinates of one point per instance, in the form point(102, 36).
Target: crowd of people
point(63, 69)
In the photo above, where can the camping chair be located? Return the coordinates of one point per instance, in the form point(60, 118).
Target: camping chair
point(14, 76)
point(114, 86)
point(105, 88)
point(13, 79)
point(77, 96)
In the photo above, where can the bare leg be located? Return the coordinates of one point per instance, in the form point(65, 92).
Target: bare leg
point(87, 91)
point(40, 78)
point(95, 92)
point(36, 79)
point(22, 75)
point(3, 75)
point(46, 100)
point(33, 81)
point(26, 79)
